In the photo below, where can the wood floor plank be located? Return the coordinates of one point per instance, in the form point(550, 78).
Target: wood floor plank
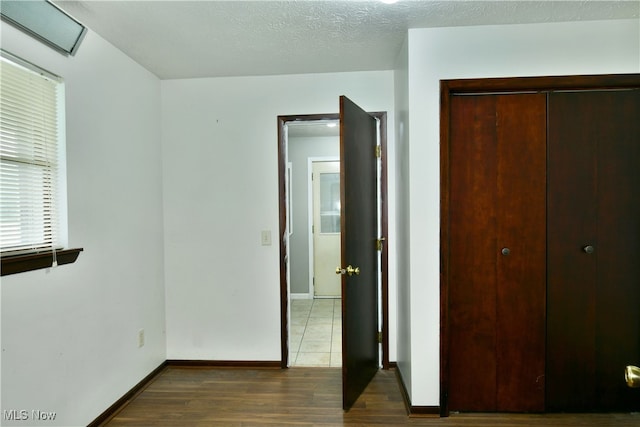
point(305, 397)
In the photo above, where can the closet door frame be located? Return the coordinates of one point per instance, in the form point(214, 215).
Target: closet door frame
point(449, 88)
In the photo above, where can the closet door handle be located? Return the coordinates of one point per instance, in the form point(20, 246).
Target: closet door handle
point(588, 249)
point(506, 251)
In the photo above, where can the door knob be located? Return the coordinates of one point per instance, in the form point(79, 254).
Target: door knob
point(506, 251)
point(349, 270)
point(588, 249)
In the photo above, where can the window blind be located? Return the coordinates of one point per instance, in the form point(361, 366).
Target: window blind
point(28, 159)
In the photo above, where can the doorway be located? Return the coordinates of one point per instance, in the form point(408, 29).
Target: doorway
point(285, 124)
point(315, 333)
point(315, 323)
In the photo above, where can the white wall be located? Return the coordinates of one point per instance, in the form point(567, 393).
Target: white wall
point(402, 225)
point(69, 334)
point(221, 189)
point(465, 52)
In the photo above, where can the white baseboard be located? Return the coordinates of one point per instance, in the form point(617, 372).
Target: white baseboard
point(301, 296)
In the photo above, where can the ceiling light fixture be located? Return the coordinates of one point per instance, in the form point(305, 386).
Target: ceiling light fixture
point(46, 22)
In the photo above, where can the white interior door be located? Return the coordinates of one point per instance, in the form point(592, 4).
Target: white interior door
point(326, 228)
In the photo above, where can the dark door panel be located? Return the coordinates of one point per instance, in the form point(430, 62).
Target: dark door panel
point(521, 228)
point(618, 297)
point(594, 241)
point(473, 245)
point(497, 253)
point(359, 228)
point(571, 274)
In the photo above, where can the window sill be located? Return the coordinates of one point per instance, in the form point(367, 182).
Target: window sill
point(36, 261)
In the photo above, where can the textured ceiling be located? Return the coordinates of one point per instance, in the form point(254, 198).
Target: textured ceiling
point(187, 39)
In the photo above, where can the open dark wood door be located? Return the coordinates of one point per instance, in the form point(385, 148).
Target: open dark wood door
point(359, 228)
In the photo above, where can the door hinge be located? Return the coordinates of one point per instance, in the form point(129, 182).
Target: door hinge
point(379, 337)
point(378, 151)
point(379, 243)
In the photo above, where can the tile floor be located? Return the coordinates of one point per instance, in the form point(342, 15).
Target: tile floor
point(316, 333)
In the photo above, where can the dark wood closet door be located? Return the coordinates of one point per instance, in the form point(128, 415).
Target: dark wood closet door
point(593, 328)
point(497, 252)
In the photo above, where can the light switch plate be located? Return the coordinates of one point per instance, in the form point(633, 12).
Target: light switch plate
point(266, 237)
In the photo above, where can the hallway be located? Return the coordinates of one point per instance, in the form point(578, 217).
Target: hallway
point(316, 333)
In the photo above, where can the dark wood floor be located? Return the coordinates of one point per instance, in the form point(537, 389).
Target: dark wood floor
point(199, 397)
